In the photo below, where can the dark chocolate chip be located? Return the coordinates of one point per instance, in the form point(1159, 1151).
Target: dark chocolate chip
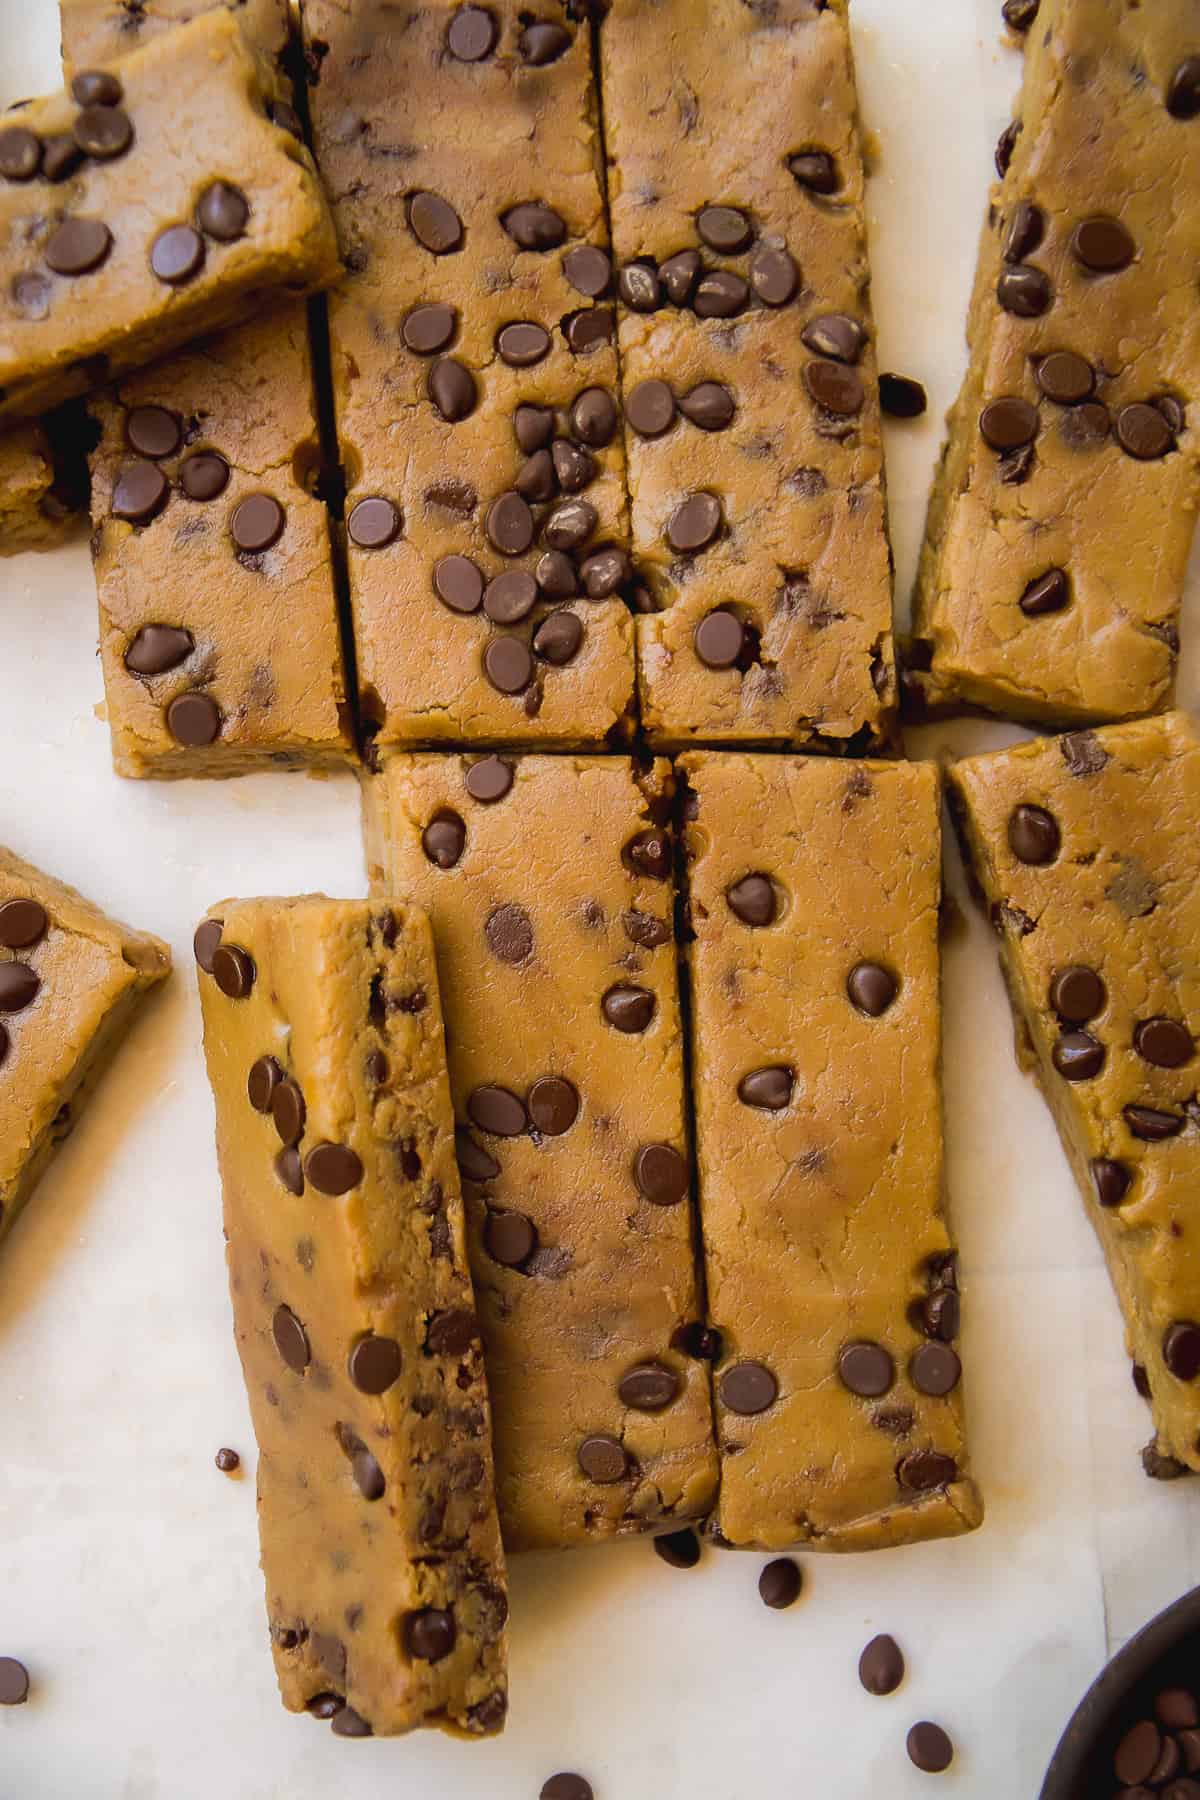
point(1112, 1180)
point(628, 1008)
point(452, 1332)
point(1164, 1042)
point(661, 1174)
point(708, 405)
point(679, 275)
point(497, 1110)
point(1008, 423)
point(451, 387)
point(935, 1369)
point(570, 524)
point(901, 397)
point(61, 156)
point(588, 330)
point(430, 1634)
point(639, 286)
point(1024, 291)
point(573, 466)
point(1137, 1752)
point(1181, 1349)
point(228, 1461)
point(1083, 427)
point(508, 665)
point(1077, 994)
point(769, 1089)
point(929, 1748)
point(724, 228)
point(694, 524)
point(474, 1162)
point(223, 212)
point(374, 523)
point(678, 1549)
point(533, 427)
point(429, 328)
point(20, 154)
point(814, 170)
point(1152, 1125)
point(140, 492)
point(291, 1339)
point(774, 276)
point(14, 1683)
point(96, 87)
point(1143, 432)
point(1102, 244)
point(752, 900)
point(720, 294)
point(471, 34)
point(444, 839)
point(264, 1077)
point(509, 933)
point(650, 408)
point(288, 1111)
point(1033, 835)
point(177, 254)
point(645, 930)
point(594, 417)
point(23, 923)
point(924, 1469)
point(1176, 1709)
point(941, 1313)
point(649, 853)
point(204, 475)
point(1065, 378)
point(588, 269)
point(1183, 90)
point(77, 246)
point(333, 1168)
point(204, 943)
point(602, 1459)
point(522, 344)
point(558, 638)
point(194, 719)
point(536, 479)
point(257, 523)
point(104, 132)
point(881, 1665)
point(1026, 229)
point(1047, 593)
point(509, 1237)
point(779, 1584)
point(566, 1786)
point(719, 638)
point(324, 1706)
point(1078, 1055)
point(509, 597)
point(374, 1363)
point(605, 571)
point(543, 42)
point(835, 335)
point(509, 524)
point(458, 584)
point(871, 988)
point(434, 223)
point(153, 431)
point(835, 386)
point(489, 780)
point(19, 986)
point(555, 573)
point(748, 1388)
point(648, 1387)
point(1006, 143)
point(866, 1369)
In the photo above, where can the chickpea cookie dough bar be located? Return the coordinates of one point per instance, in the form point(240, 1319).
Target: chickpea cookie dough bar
point(70, 982)
point(353, 1314)
point(832, 1281)
point(1086, 849)
point(748, 370)
point(547, 880)
point(43, 486)
point(153, 201)
point(1062, 515)
point(474, 371)
point(98, 31)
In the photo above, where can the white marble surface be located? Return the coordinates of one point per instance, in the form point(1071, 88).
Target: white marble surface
point(128, 1578)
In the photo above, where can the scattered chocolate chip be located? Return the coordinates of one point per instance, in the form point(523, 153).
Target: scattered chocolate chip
point(77, 246)
point(429, 328)
point(1083, 427)
point(509, 1237)
point(752, 900)
point(628, 1008)
point(434, 223)
point(20, 154)
point(648, 1388)
point(814, 170)
point(835, 386)
point(586, 331)
point(558, 638)
point(555, 575)
point(1008, 423)
point(871, 988)
point(719, 638)
point(204, 943)
point(1077, 993)
point(497, 1110)
point(866, 1369)
point(510, 597)
point(509, 524)
point(935, 1369)
point(1151, 1125)
point(1102, 244)
point(594, 417)
point(203, 475)
point(1183, 90)
point(96, 87)
point(678, 1549)
point(720, 294)
point(430, 1634)
point(1143, 432)
point(553, 1104)
point(264, 1078)
point(901, 397)
point(929, 1748)
point(228, 1461)
point(522, 344)
point(769, 1089)
point(153, 431)
point(14, 1682)
point(774, 276)
point(588, 269)
point(1111, 1179)
point(1024, 291)
point(458, 584)
point(708, 405)
point(1033, 835)
point(61, 156)
point(177, 254)
point(724, 228)
point(451, 387)
point(140, 492)
point(257, 523)
point(374, 1363)
point(1181, 1349)
point(1065, 378)
point(645, 930)
point(471, 34)
point(333, 1168)
point(444, 839)
point(23, 922)
point(104, 132)
point(748, 1388)
point(604, 572)
point(779, 1584)
point(508, 665)
point(602, 1459)
point(650, 408)
point(661, 1174)
point(374, 523)
point(1047, 593)
point(1026, 229)
point(194, 719)
point(1164, 1042)
point(574, 467)
point(1078, 1056)
point(639, 287)
point(291, 1339)
point(881, 1665)
point(566, 1786)
point(570, 525)
point(452, 1333)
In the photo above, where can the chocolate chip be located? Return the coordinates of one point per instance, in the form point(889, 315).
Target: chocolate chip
point(835, 386)
point(1016, 466)
point(203, 475)
point(1181, 1349)
point(509, 524)
point(104, 132)
point(533, 427)
point(698, 1341)
point(678, 1549)
point(369, 1479)
point(779, 1584)
point(1172, 411)
point(289, 1170)
point(177, 254)
point(660, 1172)
point(434, 223)
point(628, 1008)
point(814, 170)
point(324, 1706)
point(228, 1461)
point(471, 34)
point(223, 212)
point(748, 1388)
point(1152, 1125)
point(645, 930)
point(509, 597)
point(588, 330)
point(452, 1332)
point(881, 1665)
point(1175, 1708)
point(573, 466)
point(929, 1748)
point(724, 228)
point(720, 294)
point(20, 154)
point(901, 397)
point(694, 524)
point(140, 492)
point(96, 87)
point(430, 1634)
point(605, 571)
point(444, 839)
point(1026, 229)
point(194, 719)
point(14, 1683)
point(1183, 90)
point(291, 1339)
point(288, 1111)
point(1137, 1752)
point(153, 431)
point(257, 523)
point(497, 1110)
point(566, 1786)
point(264, 1077)
point(588, 269)
point(639, 287)
point(649, 1387)
point(333, 1168)
point(871, 988)
point(61, 156)
point(23, 923)
point(1047, 593)
point(1024, 291)
point(774, 276)
point(1033, 835)
point(1065, 378)
point(769, 1089)
point(489, 780)
point(522, 344)
point(77, 246)
point(570, 524)
point(1078, 1056)
point(1111, 1179)
point(602, 1459)
point(558, 638)
point(650, 408)
point(1143, 432)
point(940, 1314)
point(1164, 1042)
point(204, 943)
point(866, 1369)
point(508, 665)
point(752, 900)
point(925, 1469)
point(1083, 427)
point(1102, 244)
point(555, 573)
point(374, 1363)
point(1005, 145)
point(543, 42)
point(935, 1369)
point(1169, 1760)
point(679, 275)
point(509, 1237)
point(18, 986)
point(594, 417)
point(649, 853)
point(719, 638)
point(1077, 993)
point(374, 523)
point(708, 405)
point(451, 387)
point(509, 934)
point(835, 335)
point(458, 584)
point(474, 1162)
point(1008, 423)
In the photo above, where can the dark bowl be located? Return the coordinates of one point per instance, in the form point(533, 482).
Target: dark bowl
point(1165, 1653)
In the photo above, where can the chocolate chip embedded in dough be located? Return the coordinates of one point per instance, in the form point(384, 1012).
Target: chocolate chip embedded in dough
point(1078, 1056)
point(77, 246)
point(1026, 229)
point(508, 665)
point(509, 934)
point(1164, 1042)
point(779, 1584)
point(935, 1369)
point(587, 330)
point(291, 1339)
point(434, 223)
point(1151, 1124)
point(558, 638)
point(720, 294)
point(1183, 90)
point(428, 328)
point(153, 431)
point(61, 156)
point(1065, 378)
point(1102, 244)
point(556, 575)
point(1006, 143)
point(1047, 593)
point(648, 1387)
point(602, 573)
point(288, 1111)
point(96, 87)
point(139, 493)
point(203, 475)
point(510, 597)
point(661, 1174)
point(177, 254)
point(543, 42)
point(458, 584)
point(451, 387)
point(509, 1238)
point(650, 408)
point(694, 523)
point(679, 274)
point(594, 417)
point(444, 839)
point(573, 466)
point(1077, 993)
point(430, 1634)
point(374, 523)
point(1111, 1179)
point(223, 212)
point(374, 1363)
point(753, 900)
point(1024, 291)
point(1143, 432)
point(257, 523)
point(553, 1104)
point(588, 269)
point(835, 386)
point(522, 343)
point(602, 1459)
point(23, 923)
point(719, 638)
point(104, 132)
point(814, 170)
point(489, 779)
point(333, 1168)
point(264, 1077)
point(1008, 423)
point(471, 34)
point(774, 276)
point(19, 986)
point(204, 943)
point(628, 1008)
point(20, 154)
point(640, 287)
point(474, 1162)
point(194, 719)
point(748, 1388)
point(497, 1110)
point(923, 1470)
point(1033, 835)
point(871, 988)
point(769, 1088)
point(649, 853)
point(509, 524)
point(881, 1665)
point(866, 1369)
point(570, 525)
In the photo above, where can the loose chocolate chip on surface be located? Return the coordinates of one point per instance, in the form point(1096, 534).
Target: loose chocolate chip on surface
point(333, 1168)
point(1102, 244)
point(558, 638)
point(257, 523)
point(508, 665)
point(924, 1469)
point(628, 1008)
point(719, 638)
point(522, 343)
point(471, 34)
point(566, 1786)
point(752, 900)
point(14, 1682)
point(430, 1634)
point(205, 942)
point(588, 269)
point(708, 405)
point(835, 386)
point(153, 431)
point(451, 387)
point(19, 986)
point(1164, 1042)
point(288, 1111)
point(104, 132)
point(497, 1110)
point(602, 1459)
point(140, 492)
point(77, 246)
point(444, 839)
point(871, 988)
point(177, 254)
point(291, 1339)
point(769, 1089)
point(639, 286)
point(1111, 1180)
point(901, 397)
point(1008, 423)
point(814, 170)
point(556, 576)
point(346, 1722)
point(748, 1388)
point(1183, 91)
point(20, 154)
point(678, 1549)
point(648, 1388)
point(1077, 994)
point(489, 780)
point(509, 1237)
point(1143, 432)
point(881, 1665)
point(434, 223)
point(661, 1174)
point(374, 1363)
point(586, 331)
point(1152, 1125)
point(509, 524)
point(866, 1369)
point(203, 475)
point(774, 276)
point(1047, 593)
point(223, 212)
point(720, 294)
point(23, 923)
point(650, 408)
point(228, 1461)
point(1033, 835)
point(1024, 291)
point(264, 1077)
point(594, 417)
point(194, 719)
point(1026, 229)
point(935, 1369)
point(553, 1105)
point(543, 42)
point(779, 1584)
point(509, 597)
point(535, 478)
point(374, 523)
point(929, 1749)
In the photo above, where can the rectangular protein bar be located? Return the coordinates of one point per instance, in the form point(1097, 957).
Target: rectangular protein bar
point(150, 204)
point(1087, 852)
point(1062, 516)
point(98, 31)
point(353, 1312)
point(70, 982)
point(547, 880)
point(748, 369)
point(474, 372)
point(816, 1036)
point(42, 488)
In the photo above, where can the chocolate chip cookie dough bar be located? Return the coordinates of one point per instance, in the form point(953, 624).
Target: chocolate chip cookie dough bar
point(475, 372)
point(548, 883)
point(40, 496)
point(70, 982)
point(1086, 849)
point(1063, 512)
point(353, 1313)
point(748, 369)
point(832, 1281)
point(98, 31)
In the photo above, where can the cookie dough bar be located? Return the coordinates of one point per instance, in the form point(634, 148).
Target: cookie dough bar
point(748, 369)
point(41, 490)
point(1062, 515)
point(475, 372)
point(353, 1314)
point(1087, 851)
point(832, 1281)
point(70, 981)
point(547, 880)
point(98, 31)
point(148, 204)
